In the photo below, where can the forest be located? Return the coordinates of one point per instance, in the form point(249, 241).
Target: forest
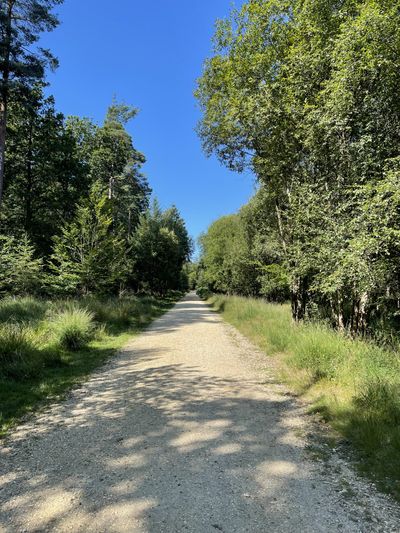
point(85, 255)
point(305, 95)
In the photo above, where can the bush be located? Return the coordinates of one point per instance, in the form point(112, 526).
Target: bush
point(203, 293)
point(73, 328)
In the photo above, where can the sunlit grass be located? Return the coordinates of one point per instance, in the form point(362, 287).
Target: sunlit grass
point(353, 384)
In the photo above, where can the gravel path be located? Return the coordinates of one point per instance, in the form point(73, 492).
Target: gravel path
point(185, 430)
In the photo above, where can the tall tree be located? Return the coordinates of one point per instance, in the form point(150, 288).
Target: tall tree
point(305, 92)
point(160, 248)
point(116, 166)
point(46, 175)
point(21, 62)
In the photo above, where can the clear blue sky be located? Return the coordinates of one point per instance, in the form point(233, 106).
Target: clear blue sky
point(149, 54)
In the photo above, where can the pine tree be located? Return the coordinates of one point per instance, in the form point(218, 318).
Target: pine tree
point(88, 256)
point(21, 63)
point(20, 271)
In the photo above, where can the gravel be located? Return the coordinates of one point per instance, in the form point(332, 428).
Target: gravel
point(185, 430)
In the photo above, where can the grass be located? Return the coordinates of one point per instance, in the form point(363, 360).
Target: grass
point(47, 347)
point(353, 384)
point(73, 328)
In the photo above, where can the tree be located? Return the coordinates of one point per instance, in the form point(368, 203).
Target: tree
point(21, 63)
point(88, 255)
point(305, 94)
point(20, 271)
point(116, 165)
point(45, 174)
point(160, 248)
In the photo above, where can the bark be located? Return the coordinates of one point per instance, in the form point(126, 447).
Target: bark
point(361, 323)
point(29, 180)
point(110, 188)
point(298, 299)
point(3, 121)
point(280, 226)
point(340, 318)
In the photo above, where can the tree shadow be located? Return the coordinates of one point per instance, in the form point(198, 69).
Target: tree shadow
point(148, 452)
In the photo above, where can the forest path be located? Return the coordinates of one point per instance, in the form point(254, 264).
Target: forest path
point(185, 430)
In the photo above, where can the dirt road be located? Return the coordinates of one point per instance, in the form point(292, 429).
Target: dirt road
point(185, 431)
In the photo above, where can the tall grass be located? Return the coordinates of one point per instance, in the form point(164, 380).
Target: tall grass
point(73, 328)
point(17, 351)
point(354, 384)
point(22, 310)
point(48, 346)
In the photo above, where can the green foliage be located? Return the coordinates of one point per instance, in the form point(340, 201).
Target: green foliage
point(241, 255)
point(20, 271)
point(73, 201)
point(88, 256)
point(73, 328)
point(115, 166)
point(22, 62)
point(203, 293)
point(160, 248)
point(44, 175)
point(274, 282)
point(305, 94)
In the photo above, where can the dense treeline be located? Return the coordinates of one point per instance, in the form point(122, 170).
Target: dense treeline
point(74, 203)
point(305, 93)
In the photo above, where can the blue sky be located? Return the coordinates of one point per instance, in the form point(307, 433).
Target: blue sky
point(149, 54)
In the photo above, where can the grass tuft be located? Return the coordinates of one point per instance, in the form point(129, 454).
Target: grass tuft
point(17, 351)
point(73, 328)
point(22, 310)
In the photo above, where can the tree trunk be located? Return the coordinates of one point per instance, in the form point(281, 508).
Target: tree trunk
point(280, 226)
point(362, 313)
point(3, 121)
point(29, 180)
point(340, 319)
point(298, 299)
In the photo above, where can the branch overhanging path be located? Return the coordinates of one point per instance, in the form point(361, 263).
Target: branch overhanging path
point(185, 430)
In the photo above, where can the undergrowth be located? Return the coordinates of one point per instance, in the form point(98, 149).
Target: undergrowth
point(354, 384)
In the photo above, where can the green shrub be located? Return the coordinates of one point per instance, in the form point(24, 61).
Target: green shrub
point(73, 328)
point(203, 292)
